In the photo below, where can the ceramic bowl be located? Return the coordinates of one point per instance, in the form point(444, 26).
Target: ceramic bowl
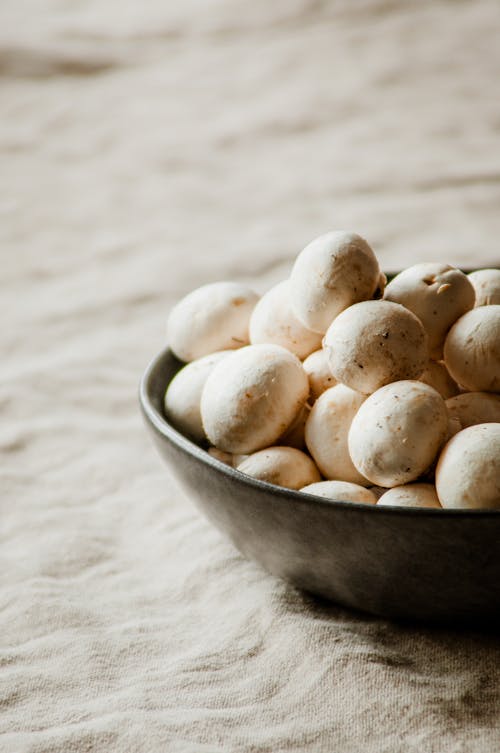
point(426, 564)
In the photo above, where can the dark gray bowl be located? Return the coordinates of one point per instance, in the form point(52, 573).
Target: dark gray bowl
point(427, 564)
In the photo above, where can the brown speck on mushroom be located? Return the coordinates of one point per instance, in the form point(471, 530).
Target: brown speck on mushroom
point(443, 288)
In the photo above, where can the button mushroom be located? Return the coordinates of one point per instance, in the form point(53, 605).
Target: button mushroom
point(486, 283)
point(374, 343)
point(294, 436)
point(472, 350)
point(397, 432)
point(410, 495)
point(326, 433)
point(468, 470)
point(437, 293)
point(436, 374)
point(331, 273)
point(320, 377)
point(213, 317)
point(252, 397)
point(472, 408)
point(342, 491)
point(273, 321)
point(183, 395)
point(283, 466)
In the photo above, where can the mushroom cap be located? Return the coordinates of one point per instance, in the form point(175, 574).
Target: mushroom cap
point(410, 495)
point(397, 432)
point(472, 350)
point(183, 395)
point(468, 470)
point(273, 321)
point(295, 435)
point(486, 283)
point(437, 293)
point(472, 408)
point(374, 343)
point(320, 377)
point(326, 433)
point(211, 318)
point(342, 491)
point(283, 466)
point(331, 273)
point(252, 397)
point(436, 374)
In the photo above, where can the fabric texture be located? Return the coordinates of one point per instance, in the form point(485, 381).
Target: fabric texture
point(147, 149)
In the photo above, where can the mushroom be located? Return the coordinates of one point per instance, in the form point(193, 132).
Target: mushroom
point(294, 436)
point(211, 318)
point(273, 321)
point(252, 397)
point(410, 495)
point(283, 466)
point(486, 283)
point(331, 273)
point(342, 491)
point(436, 374)
point(468, 470)
point(397, 432)
point(374, 343)
point(437, 293)
point(326, 433)
point(183, 395)
point(472, 408)
point(320, 377)
point(472, 350)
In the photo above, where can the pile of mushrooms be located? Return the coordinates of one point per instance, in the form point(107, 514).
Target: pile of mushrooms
point(340, 385)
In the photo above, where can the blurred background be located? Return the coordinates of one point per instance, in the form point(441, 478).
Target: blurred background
point(228, 134)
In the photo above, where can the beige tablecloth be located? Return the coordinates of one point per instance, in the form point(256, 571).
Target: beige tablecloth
point(148, 148)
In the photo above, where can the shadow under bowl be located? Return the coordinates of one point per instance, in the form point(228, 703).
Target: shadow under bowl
point(427, 564)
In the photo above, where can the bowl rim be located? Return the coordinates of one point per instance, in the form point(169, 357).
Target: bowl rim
point(163, 427)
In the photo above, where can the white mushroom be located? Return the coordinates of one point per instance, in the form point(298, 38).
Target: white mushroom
point(183, 395)
point(213, 317)
point(436, 374)
point(273, 321)
point(472, 350)
point(331, 273)
point(294, 436)
point(437, 293)
point(397, 432)
point(468, 470)
point(342, 491)
point(252, 397)
point(410, 495)
point(472, 408)
point(486, 283)
point(374, 343)
point(320, 377)
point(283, 466)
point(326, 433)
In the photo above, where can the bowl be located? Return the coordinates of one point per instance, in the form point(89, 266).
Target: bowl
point(428, 564)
